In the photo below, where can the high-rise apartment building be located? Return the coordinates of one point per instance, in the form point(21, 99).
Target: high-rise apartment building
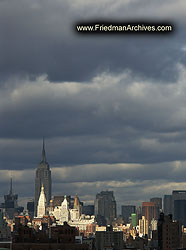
point(43, 177)
point(105, 206)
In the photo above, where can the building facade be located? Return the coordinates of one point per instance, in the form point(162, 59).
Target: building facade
point(169, 233)
point(157, 201)
point(180, 211)
point(167, 204)
point(143, 226)
point(177, 195)
point(73, 216)
point(105, 206)
point(150, 211)
point(11, 204)
point(109, 240)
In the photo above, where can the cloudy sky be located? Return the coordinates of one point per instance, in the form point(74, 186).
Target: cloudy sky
point(112, 108)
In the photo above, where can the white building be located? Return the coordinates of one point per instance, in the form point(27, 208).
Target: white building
point(41, 208)
point(73, 216)
point(143, 227)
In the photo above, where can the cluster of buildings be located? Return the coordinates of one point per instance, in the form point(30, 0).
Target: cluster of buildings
point(65, 222)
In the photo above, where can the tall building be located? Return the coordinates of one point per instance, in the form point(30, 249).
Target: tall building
point(11, 205)
point(133, 220)
point(143, 226)
point(43, 177)
point(30, 208)
point(105, 206)
point(177, 195)
point(150, 211)
point(169, 233)
point(180, 211)
point(138, 213)
point(167, 204)
point(126, 211)
point(153, 227)
point(157, 201)
point(5, 233)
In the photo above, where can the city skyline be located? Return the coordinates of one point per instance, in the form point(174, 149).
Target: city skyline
point(23, 200)
point(112, 108)
point(159, 201)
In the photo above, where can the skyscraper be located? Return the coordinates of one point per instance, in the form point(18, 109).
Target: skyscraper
point(179, 211)
point(157, 201)
point(150, 211)
point(11, 205)
point(126, 211)
point(178, 195)
point(167, 204)
point(43, 177)
point(143, 226)
point(105, 206)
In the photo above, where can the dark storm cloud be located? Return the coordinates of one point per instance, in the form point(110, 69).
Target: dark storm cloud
point(38, 37)
point(111, 119)
point(97, 100)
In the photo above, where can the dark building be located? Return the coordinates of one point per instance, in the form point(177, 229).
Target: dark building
point(88, 210)
point(30, 208)
point(105, 206)
point(138, 213)
point(109, 240)
point(52, 238)
point(126, 211)
point(180, 211)
point(177, 195)
point(167, 204)
point(58, 199)
point(11, 205)
point(5, 234)
point(169, 233)
point(157, 201)
point(43, 177)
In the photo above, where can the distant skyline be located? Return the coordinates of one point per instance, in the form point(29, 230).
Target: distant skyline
point(112, 108)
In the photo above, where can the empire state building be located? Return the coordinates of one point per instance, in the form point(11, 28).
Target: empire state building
point(43, 177)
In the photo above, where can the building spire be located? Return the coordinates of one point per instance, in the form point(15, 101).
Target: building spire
point(43, 151)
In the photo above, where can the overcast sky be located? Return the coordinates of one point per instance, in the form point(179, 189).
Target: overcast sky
point(112, 108)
